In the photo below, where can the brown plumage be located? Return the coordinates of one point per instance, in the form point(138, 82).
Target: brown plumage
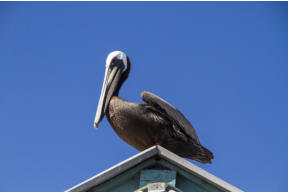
point(144, 125)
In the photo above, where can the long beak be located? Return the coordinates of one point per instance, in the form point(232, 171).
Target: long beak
point(111, 81)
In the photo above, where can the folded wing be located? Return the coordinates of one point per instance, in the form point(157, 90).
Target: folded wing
point(174, 115)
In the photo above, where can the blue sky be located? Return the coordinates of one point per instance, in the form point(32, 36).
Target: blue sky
point(224, 65)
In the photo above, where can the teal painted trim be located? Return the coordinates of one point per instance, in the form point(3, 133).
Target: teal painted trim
point(152, 176)
point(128, 181)
point(188, 182)
point(200, 176)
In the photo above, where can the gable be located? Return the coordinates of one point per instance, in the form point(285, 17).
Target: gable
point(155, 164)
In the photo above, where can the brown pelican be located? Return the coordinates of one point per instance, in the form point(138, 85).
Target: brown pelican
point(144, 125)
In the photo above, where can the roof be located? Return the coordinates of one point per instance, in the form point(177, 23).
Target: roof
point(162, 153)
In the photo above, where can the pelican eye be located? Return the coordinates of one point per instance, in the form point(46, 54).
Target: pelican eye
point(117, 62)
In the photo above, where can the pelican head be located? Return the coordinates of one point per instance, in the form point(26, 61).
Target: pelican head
point(117, 70)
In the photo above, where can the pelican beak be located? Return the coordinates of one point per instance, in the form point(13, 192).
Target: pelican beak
point(110, 86)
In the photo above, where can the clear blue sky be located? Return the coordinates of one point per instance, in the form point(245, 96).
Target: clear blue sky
point(224, 65)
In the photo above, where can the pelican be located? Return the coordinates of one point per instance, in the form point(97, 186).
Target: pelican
point(144, 125)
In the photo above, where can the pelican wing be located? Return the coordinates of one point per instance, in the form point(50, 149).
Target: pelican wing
point(175, 115)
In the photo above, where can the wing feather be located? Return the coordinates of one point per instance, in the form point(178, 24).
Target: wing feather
point(172, 113)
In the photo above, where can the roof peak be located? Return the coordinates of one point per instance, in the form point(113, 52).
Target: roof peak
point(145, 158)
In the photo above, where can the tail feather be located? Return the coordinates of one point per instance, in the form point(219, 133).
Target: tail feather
point(202, 155)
